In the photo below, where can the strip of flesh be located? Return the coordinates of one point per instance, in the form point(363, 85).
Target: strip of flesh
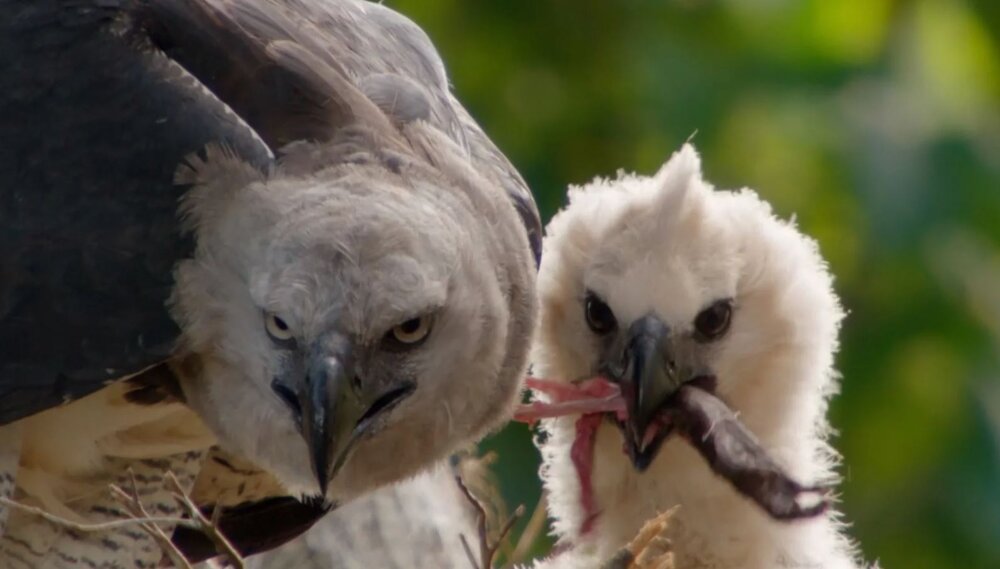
point(701, 418)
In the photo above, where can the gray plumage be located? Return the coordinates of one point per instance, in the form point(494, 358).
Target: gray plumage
point(351, 262)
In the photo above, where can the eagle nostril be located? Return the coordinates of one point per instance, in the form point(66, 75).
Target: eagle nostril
point(386, 402)
point(288, 396)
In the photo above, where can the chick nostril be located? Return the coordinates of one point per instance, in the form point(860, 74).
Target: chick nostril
point(288, 396)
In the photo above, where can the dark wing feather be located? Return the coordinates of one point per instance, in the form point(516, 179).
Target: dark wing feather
point(93, 123)
point(396, 65)
point(253, 527)
point(226, 45)
point(293, 69)
point(416, 59)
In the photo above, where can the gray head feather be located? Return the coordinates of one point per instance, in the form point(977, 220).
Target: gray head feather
point(387, 225)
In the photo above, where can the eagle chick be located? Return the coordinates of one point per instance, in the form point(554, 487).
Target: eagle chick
point(672, 289)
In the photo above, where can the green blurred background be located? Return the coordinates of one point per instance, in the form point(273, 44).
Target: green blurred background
point(876, 123)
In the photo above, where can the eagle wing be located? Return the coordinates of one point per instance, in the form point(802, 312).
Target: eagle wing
point(96, 119)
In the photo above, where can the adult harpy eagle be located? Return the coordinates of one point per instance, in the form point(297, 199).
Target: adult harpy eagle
point(354, 264)
point(687, 300)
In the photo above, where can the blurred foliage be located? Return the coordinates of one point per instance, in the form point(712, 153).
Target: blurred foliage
point(876, 123)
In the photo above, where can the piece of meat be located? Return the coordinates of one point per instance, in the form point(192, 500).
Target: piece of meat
point(704, 420)
point(582, 454)
point(587, 397)
point(735, 454)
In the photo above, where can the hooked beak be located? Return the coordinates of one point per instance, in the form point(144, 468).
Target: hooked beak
point(331, 407)
point(648, 375)
point(337, 407)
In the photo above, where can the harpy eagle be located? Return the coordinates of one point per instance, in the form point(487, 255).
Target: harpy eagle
point(272, 213)
point(691, 331)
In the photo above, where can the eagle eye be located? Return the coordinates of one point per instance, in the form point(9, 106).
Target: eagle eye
point(713, 322)
point(277, 329)
point(409, 334)
point(600, 318)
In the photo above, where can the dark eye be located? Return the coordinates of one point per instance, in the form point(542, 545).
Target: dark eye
point(599, 316)
point(713, 322)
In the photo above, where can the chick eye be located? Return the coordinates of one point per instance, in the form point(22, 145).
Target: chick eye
point(277, 328)
point(410, 333)
point(599, 316)
point(714, 320)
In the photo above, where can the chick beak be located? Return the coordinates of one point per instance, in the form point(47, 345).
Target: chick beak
point(649, 377)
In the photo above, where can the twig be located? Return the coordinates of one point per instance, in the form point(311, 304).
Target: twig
point(94, 527)
point(133, 506)
point(468, 552)
point(138, 516)
point(518, 514)
point(647, 549)
point(484, 561)
point(487, 550)
point(534, 528)
point(203, 524)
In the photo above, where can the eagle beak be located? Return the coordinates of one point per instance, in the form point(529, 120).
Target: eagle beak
point(648, 375)
point(338, 408)
point(330, 409)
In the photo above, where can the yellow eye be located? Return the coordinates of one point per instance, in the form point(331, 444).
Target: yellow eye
point(412, 331)
point(277, 328)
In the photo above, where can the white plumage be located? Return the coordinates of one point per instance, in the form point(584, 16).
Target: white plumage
point(670, 245)
point(416, 523)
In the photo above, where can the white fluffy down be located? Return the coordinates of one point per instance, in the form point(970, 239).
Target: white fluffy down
point(672, 244)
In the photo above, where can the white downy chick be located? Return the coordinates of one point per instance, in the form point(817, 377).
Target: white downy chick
point(681, 294)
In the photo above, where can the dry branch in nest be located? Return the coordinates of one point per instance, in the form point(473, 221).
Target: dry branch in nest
point(137, 512)
point(209, 527)
point(648, 549)
point(137, 515)
point(487, 549)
